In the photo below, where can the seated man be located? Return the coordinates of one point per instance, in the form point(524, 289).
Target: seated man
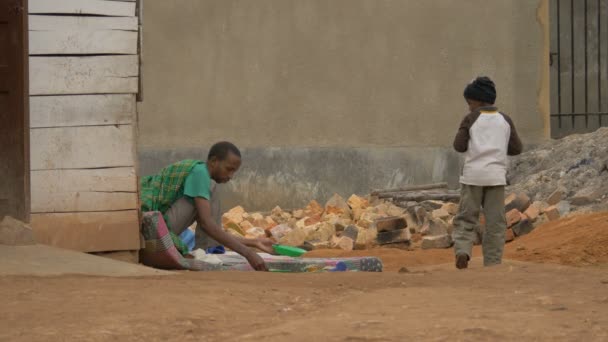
point(182, 193)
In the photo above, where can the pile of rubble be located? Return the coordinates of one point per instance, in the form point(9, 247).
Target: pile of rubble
point(575, 167)
point(366, 222)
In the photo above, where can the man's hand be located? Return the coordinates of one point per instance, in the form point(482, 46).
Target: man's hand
point(256, 261)
point(265, 244)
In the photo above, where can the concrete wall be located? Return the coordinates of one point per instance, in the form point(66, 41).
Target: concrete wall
point(333, 96)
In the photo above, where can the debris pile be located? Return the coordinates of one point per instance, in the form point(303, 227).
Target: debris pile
point(546, 183)
point(366, 222)
point(571, 172)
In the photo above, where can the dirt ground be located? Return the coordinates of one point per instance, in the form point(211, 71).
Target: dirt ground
point(429, 301)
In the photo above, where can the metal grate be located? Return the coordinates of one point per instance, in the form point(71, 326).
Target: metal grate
point(579, 66)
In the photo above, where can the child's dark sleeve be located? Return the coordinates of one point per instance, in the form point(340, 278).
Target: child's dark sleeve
point(461, 142)
point(515, 145)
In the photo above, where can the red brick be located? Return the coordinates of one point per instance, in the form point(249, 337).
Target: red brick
point(509, 235)
point(532, 212)
point(513, 217)
point(552, 213)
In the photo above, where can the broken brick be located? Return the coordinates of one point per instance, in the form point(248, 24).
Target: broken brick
point(532, 212)
point(337, 205)
point(451, 208)
point(523, 227)
point(295, 237)
point(440, 241)
point(315, 244)
point(519, 201)
point(386, 224)
point(351, 232)
point(366, 238)
point(322, 232)
point(440, 213)
point(434, 227)
point(343, 242)
point(358, 202)
point(513, 216)
point(552, 213)
point(279, 231)
point(400, 235)
point(509, 235)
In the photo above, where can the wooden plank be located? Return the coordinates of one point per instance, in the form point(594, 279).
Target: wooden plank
point(84, 190)
point(105, 180)
point(82, 35)
point(96, 7)
point(71, 23)
point(82, 147)
point(89, 232)
point(82, 42)
point(66, 201)
point(410, 188)
point(83, 75)
point(14, 111)
point(81, 110)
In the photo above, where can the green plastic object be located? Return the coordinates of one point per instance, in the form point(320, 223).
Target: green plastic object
point(288, 250)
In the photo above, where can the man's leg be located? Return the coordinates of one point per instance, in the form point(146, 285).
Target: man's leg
point(181, 215)
point(496, 224)
point(465, 222)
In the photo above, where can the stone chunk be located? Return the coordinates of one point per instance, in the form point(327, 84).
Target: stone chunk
point(15, 233)
point(323, 232)
point(400, 235)
point(563, 207)
point(313, 209)
point(337, 205)
point(523, 227)
point(255, 232)
point(440, 213)
point(352, 232)
point(440, 241)
point(386, 224)
point(434, 227)
point(366, 238)
point(298, 214)
point(343, 242)
point(279, 231)
point(587, 196)
point(431, 205)
point(295, 237)
point(555, 197)
point(315, 244)
point(358, 202)
point(451, 208)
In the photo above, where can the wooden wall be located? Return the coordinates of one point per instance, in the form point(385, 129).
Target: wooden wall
point(84, 75)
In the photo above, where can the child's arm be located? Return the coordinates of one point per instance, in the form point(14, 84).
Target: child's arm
point(461, 142)
point(515, 145)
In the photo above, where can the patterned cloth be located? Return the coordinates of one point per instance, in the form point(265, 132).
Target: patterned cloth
point(160, 191)
point(160, 252)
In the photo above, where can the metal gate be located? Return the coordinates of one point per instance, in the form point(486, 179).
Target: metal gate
point(579, 66)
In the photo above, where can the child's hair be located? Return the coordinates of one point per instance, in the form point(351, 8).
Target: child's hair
point(481, 89)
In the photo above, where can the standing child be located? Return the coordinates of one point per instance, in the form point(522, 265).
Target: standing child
point(486, 137)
